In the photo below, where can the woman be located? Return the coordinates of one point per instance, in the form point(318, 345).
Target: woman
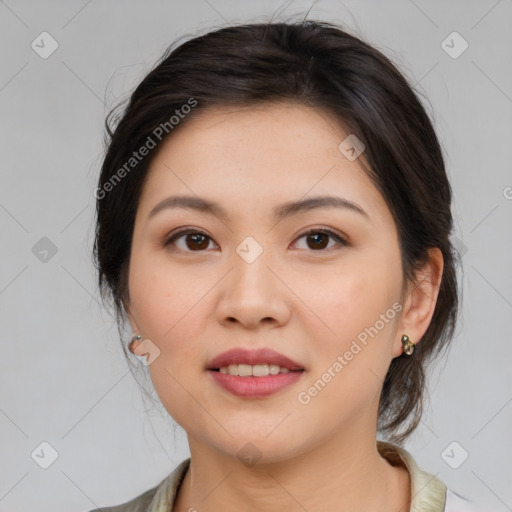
point(273, 221)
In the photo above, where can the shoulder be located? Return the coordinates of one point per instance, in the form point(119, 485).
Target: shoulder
point(157, 498)
point(140, 503)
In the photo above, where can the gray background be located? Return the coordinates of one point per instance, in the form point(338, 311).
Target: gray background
point(64, 379)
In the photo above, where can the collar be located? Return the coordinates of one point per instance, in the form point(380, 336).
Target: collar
point(428, 493)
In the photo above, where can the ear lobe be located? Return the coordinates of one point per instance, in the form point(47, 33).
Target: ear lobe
point(420, 300)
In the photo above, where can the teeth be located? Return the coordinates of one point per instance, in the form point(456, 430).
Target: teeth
point(258, 370)
point(274, 369)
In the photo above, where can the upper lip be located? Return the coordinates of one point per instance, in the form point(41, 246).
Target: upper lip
point(252, 357)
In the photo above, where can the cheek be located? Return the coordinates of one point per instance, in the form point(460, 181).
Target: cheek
point(169, 311)
point(354, 297)
point(162, 298)
point(173, 307)
point(357, 307)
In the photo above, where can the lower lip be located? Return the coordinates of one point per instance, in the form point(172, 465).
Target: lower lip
point(255, 387)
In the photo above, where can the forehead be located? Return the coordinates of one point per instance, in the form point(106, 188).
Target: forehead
point(257, 156)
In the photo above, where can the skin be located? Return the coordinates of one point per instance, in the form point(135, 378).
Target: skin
point(306, 303)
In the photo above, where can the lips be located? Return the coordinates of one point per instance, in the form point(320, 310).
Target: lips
point(253, 357)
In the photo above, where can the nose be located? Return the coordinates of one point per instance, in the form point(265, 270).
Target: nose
point(252, 295)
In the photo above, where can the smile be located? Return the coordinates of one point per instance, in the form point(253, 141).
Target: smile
point(257, 370)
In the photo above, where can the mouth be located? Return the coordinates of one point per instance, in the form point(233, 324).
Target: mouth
point(254, 373)
point(258, 370)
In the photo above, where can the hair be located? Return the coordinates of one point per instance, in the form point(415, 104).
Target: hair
point(319, 65)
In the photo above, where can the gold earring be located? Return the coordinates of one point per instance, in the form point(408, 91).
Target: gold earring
point(408, 345)
point(136, 337)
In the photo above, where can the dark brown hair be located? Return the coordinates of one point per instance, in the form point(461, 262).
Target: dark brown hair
point(319, 65)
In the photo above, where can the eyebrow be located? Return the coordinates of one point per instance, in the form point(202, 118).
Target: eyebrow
point(279, 212)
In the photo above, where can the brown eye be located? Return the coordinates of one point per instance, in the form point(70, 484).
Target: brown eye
point(195, 241)
point(319, 239)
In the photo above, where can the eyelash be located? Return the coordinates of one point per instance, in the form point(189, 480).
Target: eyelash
point(187, 231)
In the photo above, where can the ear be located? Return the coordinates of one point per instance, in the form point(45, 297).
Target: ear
point(420, 300)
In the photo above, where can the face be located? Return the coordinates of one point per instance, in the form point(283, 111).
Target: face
point(244, 273)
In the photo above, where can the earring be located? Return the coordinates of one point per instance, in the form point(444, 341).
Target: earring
point(136, 337)
point(408, 345)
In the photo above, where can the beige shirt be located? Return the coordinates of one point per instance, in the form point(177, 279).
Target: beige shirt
point(428, 493)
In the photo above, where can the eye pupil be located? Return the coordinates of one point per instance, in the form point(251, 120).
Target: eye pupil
point(197, 239)
point(316, 236)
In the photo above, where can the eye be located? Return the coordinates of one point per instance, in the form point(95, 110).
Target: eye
point(194, 241)
point(197, 241)
point(316, 238)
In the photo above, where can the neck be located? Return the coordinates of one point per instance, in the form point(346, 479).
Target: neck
point(339, 475)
